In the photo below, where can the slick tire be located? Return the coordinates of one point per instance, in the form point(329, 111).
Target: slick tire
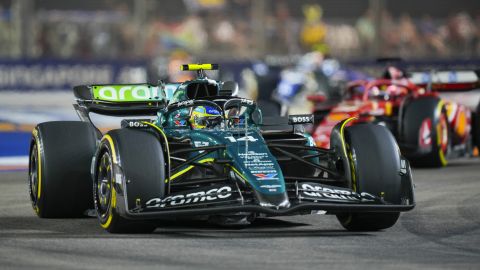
point(476, 127)
point(140, 156)
point(60, 184)
point(415, 113)
point(374, 154)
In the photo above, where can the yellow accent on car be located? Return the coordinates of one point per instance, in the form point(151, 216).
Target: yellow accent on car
point(112, 147)
point(237, 172)
point(180, 173)
point(113, 201)
point(441, 155)
point(439, 108)
point(388, 108)
point(198, 67)
point(349, 155)
point(166, 142)
point(113, 198)
point(342, 127)
point(438, 112)
point(461, 127)
point(39, 167)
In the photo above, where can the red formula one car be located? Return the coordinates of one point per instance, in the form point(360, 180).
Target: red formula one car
point(429, 129)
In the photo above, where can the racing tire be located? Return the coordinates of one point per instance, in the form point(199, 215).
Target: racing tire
point(137, 155)
point(60, 184)
point(375, 161)
point(415, 114)
point(476, 127)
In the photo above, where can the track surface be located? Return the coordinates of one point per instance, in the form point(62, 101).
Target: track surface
point(443, 232)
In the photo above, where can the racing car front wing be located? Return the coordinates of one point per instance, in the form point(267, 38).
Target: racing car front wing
point(304, 197)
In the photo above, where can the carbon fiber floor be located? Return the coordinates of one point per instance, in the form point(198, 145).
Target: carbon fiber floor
point(443, 232)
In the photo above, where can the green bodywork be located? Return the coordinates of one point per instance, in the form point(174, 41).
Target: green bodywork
point(251, 158)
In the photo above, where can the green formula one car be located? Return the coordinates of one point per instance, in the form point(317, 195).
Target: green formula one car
point(205, 153)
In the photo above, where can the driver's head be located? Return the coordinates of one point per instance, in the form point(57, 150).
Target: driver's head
point(393, 73)
point(204, 116)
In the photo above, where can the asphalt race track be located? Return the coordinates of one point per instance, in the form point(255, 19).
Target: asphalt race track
point(443, 232)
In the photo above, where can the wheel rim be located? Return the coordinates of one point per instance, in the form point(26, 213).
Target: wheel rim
point(442, 133)
point(103, 186)
point(33, 175)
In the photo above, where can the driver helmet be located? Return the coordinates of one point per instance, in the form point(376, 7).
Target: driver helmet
point(393, 73)
point(204, 116)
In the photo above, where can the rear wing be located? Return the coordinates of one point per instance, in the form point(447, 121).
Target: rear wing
point(120, 99)
point(445, 81)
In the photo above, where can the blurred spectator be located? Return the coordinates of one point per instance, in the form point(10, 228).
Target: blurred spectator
point(313, 29)
point(433, 41)
point(389, 34)
point(408, 36)
point(366, 30)
point(191, 34)
point(477, 36)
point(224, 32)
point(461, 31)
point(225, 29)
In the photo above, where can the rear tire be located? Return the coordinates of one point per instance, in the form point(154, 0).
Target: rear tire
point(476, 127)
point(376, 161)
point(415, 114)
point(140, 155)
point(60, 183)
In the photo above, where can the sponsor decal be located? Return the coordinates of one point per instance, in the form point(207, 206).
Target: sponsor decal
point(313, 192)
point(300, 119)
point(241, 139)
point(246, 101)
point(201, 144)
point(134, 123)
point(271, 188)
point(127, 93)
point(268, 176)
point(425, 133)
point(210, 195)
point(180, 123)
point(184, 103)
point(211, 110)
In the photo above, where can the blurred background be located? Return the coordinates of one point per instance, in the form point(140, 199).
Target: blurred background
point(238, 29)
point(48, 46)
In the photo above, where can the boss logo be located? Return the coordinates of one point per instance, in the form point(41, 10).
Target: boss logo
point(300, 119)
point(137, 123)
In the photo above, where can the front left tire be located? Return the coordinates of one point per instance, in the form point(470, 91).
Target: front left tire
point(139, 154)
